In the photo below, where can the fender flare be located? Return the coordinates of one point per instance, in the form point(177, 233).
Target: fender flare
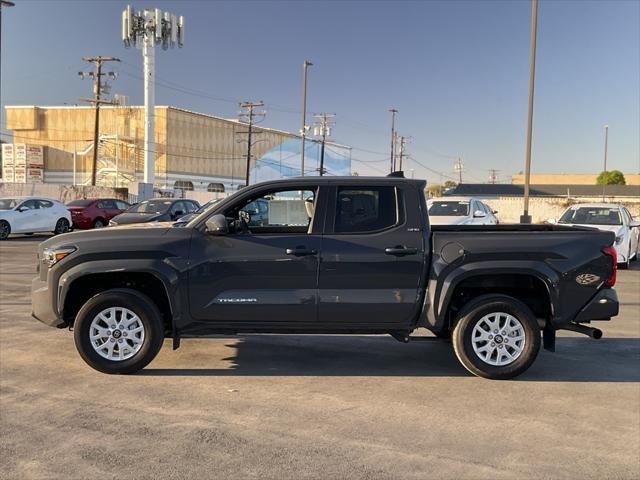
point(161, 270)
point(441, 288)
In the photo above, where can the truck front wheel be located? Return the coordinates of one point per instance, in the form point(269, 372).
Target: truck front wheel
point(496, 337)
point(118, 331)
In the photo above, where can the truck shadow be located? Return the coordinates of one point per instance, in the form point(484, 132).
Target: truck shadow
point(575, 359)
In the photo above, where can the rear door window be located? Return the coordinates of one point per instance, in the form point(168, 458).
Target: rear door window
point(365, 209)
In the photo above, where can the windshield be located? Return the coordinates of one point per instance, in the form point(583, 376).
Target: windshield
point(207, 205)
point(80, 203)
point(591, 216)
point(151, 206)
point(8, 203)
point(449, 209)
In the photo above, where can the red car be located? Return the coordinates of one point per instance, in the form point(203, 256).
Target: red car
point(95, 212)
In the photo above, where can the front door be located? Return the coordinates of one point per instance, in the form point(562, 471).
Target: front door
point(372, 258)
point(27, 218)
point(265, 270)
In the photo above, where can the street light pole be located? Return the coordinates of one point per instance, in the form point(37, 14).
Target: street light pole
point(606, 141)
point(525, 217)
point(3, 4)
point(303, 130)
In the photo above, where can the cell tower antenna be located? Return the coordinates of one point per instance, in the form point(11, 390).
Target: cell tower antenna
point(144, 30)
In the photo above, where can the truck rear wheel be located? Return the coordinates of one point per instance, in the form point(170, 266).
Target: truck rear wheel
point(118, 331)
point(496, 337)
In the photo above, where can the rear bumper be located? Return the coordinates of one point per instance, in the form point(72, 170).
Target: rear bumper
point(43, 303)
point(602, 306)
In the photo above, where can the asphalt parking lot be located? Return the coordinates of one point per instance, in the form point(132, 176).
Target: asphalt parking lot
point(312, 406)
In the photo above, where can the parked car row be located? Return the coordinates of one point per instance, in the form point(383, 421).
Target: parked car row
point(28, 215)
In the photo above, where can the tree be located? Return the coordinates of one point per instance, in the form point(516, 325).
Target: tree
point(450, 184)
point(434, 190)
point(613, 177)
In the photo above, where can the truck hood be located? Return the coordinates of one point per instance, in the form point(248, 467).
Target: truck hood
point(110, 239)
point(447, 220)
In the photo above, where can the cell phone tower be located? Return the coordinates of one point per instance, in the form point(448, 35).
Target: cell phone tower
point(144, 30)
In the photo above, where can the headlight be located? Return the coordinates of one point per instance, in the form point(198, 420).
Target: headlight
point(51, 256)
point(112, 223)
point(619, 239)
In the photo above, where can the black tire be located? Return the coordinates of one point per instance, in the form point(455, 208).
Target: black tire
point(472, 314)
point(62, 226)
point(99, 223)
point(5, 229)
point(139, 304)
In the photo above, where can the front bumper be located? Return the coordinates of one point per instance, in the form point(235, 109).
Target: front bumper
point(602, 306)
point(43, 302)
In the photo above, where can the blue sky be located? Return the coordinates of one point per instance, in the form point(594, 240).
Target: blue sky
point(457, 71)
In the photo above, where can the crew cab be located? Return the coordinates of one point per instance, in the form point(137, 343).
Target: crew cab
point(334, 255)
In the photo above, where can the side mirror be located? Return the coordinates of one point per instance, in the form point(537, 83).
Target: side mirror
point(22, 209)
point(479, 214)
point(217, 225)
point(552, 221)
point(495, 212)
point(634, 223)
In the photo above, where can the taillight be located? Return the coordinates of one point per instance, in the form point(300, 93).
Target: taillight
point(611, 281)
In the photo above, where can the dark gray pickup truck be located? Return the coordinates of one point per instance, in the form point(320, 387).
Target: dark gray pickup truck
point(335, 255)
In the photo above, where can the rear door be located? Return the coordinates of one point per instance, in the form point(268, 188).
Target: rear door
point(109, 209)
point(372, 257)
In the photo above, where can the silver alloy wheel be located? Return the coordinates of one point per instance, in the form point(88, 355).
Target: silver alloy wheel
point(498, 339)
point(116, 333)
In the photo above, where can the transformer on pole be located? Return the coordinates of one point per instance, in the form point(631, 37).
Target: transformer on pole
point(146, 29)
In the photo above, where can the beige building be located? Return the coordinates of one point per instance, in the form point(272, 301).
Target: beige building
point(192, 150)
point(569, 179)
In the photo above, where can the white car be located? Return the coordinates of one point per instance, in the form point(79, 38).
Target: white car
point(32, 214)
point(460, 211)
point(610, 217)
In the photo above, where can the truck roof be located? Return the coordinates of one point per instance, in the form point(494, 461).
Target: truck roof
point(325, 180)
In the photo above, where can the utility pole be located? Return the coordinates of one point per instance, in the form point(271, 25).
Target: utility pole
point(606, 141)
point(303, 130)
point(403, 142)
point(493, 175)
point(322, 128)
point(392, 160)
point(459, 167)
point(248, 115)
point(525, 217)
point(98, 88)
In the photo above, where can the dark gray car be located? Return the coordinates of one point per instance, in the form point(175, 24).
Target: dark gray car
point(155, 210)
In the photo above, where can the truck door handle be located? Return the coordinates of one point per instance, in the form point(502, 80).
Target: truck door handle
point(300, 251)
point(400, 251)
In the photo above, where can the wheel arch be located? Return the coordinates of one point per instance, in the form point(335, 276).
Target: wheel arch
point(78, 285)
point(534, 286)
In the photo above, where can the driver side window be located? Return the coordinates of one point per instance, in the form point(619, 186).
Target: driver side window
point(283, 211)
